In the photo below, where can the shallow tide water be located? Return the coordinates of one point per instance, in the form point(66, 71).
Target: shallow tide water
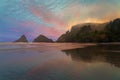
point(59, 61)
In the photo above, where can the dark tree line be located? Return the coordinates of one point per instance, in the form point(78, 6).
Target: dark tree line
point(110, 33)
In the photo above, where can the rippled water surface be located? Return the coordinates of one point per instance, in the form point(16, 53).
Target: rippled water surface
point(59, 61)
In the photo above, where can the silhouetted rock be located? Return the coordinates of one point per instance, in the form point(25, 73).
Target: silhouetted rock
point(22, 39)
point(42, 38)
point(93, 32)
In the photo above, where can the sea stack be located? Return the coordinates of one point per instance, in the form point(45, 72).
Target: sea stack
point(22, 39)
point(42, 38)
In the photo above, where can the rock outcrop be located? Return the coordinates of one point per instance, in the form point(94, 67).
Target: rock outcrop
point(22, 39)
point(42, 38)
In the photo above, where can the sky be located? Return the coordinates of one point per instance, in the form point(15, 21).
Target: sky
point(51, 17)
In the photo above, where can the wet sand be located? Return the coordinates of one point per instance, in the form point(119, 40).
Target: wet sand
point(59, 61)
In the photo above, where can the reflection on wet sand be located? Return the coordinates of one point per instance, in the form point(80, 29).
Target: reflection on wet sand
point(105, 53)
point(47, 61)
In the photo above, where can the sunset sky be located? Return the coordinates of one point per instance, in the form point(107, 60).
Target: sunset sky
point(51, 17)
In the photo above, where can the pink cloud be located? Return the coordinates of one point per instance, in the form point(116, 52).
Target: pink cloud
point(46, 14)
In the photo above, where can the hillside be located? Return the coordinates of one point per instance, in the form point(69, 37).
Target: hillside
point(93, 32)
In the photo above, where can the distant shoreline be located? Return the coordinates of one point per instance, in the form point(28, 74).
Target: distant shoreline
point(55, 43)
point(42, 46)
point(66, 42)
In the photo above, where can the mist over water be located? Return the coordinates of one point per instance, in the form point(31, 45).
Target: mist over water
point(57, 61)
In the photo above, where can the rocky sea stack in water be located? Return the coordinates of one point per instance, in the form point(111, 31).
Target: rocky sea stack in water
point(22, 39)
point(42, 38)
point(93, 32)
